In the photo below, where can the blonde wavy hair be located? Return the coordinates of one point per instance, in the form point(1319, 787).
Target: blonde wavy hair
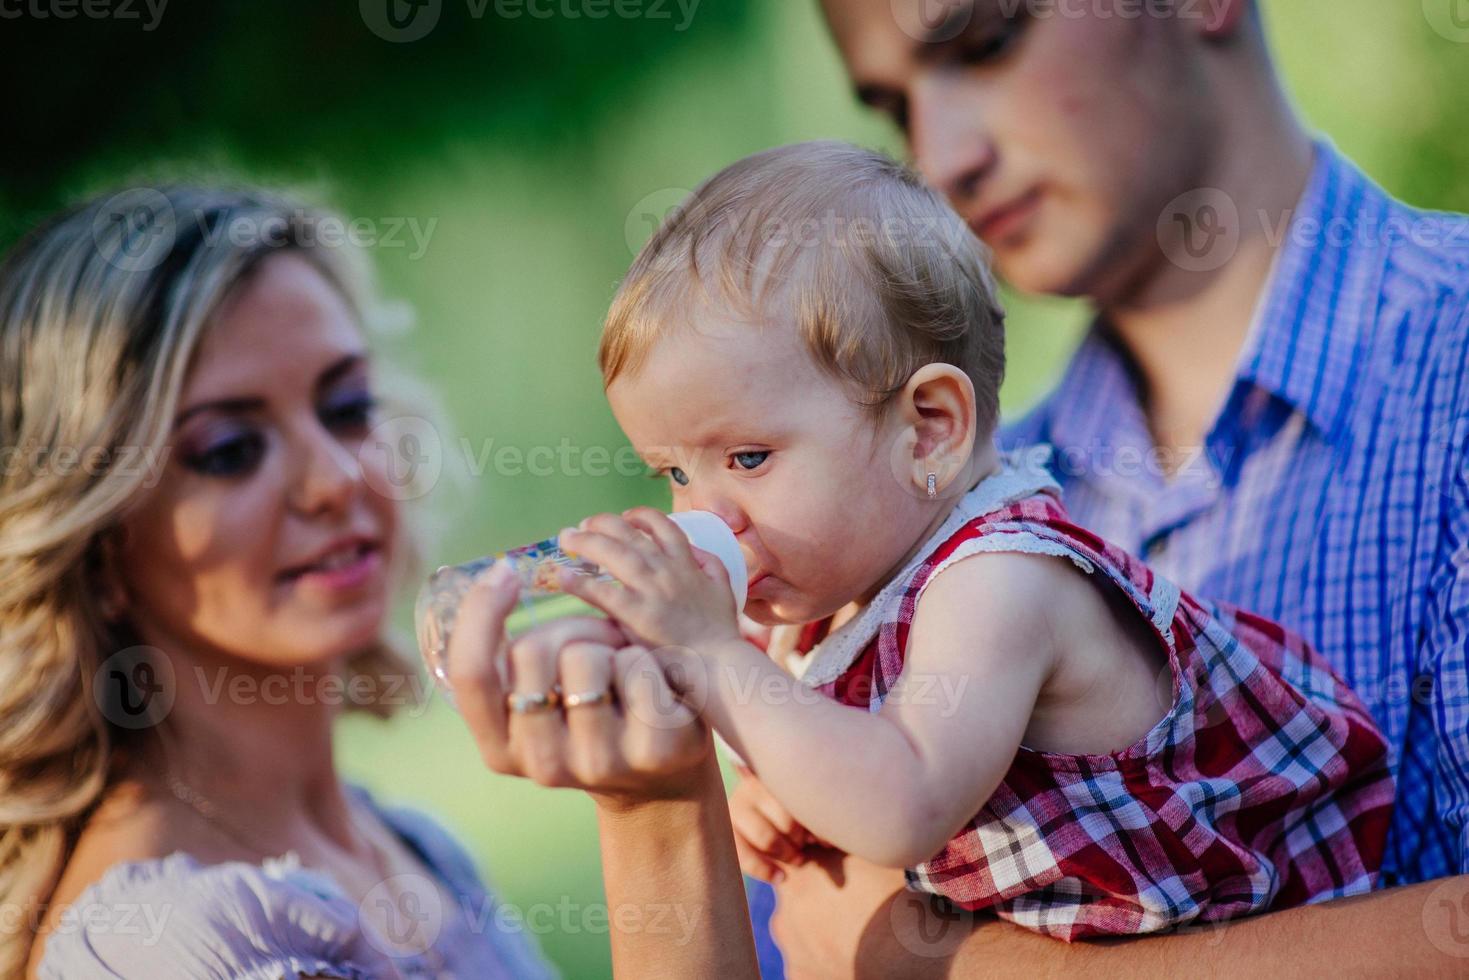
point(101, 310)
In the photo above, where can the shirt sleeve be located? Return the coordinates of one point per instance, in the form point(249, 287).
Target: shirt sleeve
point(174, 919)
point(1447, 656)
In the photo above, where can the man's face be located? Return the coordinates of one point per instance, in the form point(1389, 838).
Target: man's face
point(1060, 129)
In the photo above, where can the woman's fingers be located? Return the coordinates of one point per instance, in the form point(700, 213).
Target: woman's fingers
point(661, 732)
point(550, 638)
point(593, 725)
point(537, 735)
point(473, 668)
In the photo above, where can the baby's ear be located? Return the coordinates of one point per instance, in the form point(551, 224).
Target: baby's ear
point(938, 406)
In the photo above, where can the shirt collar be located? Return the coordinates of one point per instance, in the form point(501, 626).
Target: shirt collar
point(1316, 314)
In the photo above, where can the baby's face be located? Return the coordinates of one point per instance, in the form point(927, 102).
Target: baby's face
point(744, 424)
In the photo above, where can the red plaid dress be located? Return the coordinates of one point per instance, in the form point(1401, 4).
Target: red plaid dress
point(1265, 786)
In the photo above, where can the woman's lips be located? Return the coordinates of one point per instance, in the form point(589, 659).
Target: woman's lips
point(353, 575)
point(1001, 223)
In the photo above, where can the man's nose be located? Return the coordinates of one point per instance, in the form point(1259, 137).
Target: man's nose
point(950, 139)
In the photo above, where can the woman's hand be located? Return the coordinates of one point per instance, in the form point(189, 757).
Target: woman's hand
point(667, 595)
point(643, 756)
point(639, 745)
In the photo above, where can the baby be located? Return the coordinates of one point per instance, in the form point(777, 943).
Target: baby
point(812, 349)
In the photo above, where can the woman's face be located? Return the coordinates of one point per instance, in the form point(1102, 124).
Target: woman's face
point(268, 472)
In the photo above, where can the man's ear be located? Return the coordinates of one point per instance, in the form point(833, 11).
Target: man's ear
point(938, 410)
point(1222, 18)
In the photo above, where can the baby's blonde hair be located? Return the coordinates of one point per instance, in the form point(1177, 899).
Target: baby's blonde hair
point(871, 265)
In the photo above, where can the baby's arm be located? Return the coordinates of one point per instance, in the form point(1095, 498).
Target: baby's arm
point(890, 787)
point(893, 787)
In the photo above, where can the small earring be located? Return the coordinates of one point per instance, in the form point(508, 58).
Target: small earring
point(933, 484)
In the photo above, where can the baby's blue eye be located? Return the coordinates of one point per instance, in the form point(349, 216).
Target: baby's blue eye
point(678, 476)
point(750, 461)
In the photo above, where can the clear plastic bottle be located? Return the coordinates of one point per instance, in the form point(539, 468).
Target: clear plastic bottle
point(541, 596)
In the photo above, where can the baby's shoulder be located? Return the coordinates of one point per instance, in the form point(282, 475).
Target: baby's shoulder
point(1035, 585)
point(1030, 595)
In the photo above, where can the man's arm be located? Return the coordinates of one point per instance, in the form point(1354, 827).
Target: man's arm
point(1447, 653)
point(1421, 930)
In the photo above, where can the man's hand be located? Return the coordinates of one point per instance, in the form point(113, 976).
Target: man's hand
point(830, 911)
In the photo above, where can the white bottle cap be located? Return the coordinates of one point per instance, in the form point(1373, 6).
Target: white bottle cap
point(707, 532)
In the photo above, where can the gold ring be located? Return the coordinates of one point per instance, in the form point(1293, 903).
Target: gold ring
point(587, 699)
point(528, 704)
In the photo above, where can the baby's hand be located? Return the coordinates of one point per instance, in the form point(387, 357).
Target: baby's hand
point(766, 835)
point(670, 595)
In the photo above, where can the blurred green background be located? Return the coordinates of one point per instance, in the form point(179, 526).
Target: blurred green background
point(535, 155)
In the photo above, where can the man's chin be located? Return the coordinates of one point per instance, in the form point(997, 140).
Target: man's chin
point(1035, 270)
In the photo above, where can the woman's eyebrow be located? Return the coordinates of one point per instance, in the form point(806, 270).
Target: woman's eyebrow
point(340, 367)
point(236, 405)
point(239, 405)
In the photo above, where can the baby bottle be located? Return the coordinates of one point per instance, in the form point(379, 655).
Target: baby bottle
point(541, 596)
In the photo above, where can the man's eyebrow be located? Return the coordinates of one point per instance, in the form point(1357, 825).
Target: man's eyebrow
point(935, 40)
point(239, 405)
point(959, 17)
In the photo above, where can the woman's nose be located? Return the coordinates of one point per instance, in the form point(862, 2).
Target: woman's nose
point(328, 476)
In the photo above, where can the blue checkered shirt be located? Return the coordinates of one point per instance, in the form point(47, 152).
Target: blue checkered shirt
point(1331, 493)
